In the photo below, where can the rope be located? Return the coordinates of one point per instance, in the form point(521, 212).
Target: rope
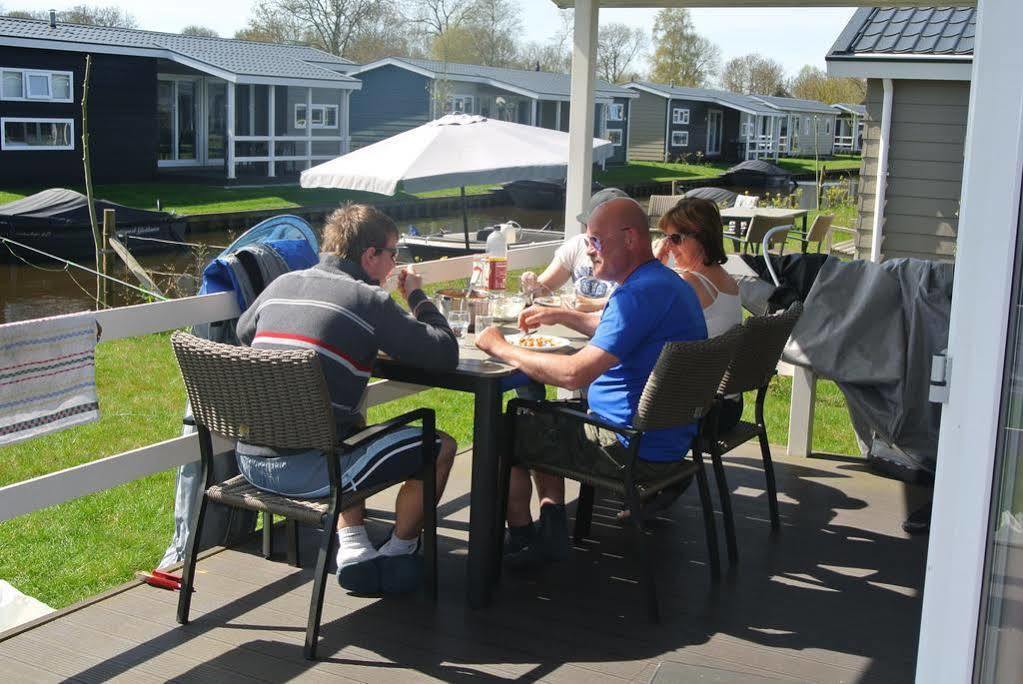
point(174, 242)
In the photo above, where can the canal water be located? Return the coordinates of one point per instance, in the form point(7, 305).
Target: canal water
point(33, 286)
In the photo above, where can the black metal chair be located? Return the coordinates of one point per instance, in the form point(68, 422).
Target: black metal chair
point(680, 391)
point(755, 363)
point(279, 399)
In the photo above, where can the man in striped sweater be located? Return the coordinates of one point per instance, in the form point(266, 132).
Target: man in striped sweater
point(338, 309)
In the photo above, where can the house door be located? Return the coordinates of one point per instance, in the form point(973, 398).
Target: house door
point(714, 130)
point(179, 105)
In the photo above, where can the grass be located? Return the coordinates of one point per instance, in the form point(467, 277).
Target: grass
point(69, 552)
point(195, 198)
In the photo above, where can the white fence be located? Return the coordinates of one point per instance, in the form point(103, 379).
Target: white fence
point(144, 319)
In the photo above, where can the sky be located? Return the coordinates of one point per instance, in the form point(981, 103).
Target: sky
point(794, 37)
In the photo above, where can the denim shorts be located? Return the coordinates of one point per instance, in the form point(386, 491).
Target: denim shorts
point(303, 474)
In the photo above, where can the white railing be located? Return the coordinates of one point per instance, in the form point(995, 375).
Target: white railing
point(145, 319)
point(844, 142)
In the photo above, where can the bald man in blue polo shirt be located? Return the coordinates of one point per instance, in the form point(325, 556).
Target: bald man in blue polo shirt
point(650, 307)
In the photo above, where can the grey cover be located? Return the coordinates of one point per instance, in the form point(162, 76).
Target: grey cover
point(873, 328)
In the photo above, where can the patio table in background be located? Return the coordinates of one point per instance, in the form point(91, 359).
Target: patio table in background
point(487, 380)
point(746, 215)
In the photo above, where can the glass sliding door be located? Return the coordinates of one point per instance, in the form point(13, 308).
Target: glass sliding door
point(165, 119)
point(186, 105)
point(216, 120)
point(714, 120)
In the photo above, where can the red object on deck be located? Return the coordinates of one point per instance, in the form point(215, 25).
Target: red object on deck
point(158, 578)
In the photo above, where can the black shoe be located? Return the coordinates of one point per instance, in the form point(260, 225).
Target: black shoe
point(522, 548)
point(919, 521)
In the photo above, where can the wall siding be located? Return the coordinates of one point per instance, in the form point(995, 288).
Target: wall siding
point(391, 101)
point(925, 165)
point(122, 120)
point(647, 142)
point(805, 143)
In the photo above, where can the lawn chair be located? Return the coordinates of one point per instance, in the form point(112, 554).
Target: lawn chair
point(757, 231)
point(845, 248)
point(752, 368)
point(680, 391)
point(743, 202)
point(279, 399)
point(658, 206)
point(818, 232)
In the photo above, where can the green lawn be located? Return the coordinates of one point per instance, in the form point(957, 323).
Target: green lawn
point(68, 552)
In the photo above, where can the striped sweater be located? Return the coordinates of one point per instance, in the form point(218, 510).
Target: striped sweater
point(334, 309)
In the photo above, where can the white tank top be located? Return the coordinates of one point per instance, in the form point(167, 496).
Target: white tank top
point(725, 310)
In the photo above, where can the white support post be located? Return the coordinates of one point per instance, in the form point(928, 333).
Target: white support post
point(344, 122)
point(230, 131)
point(271, 101)
point(309, 127)
point(557, 116)
point(804, 394)
point(580, 119)
point(536, 116)
point(252, 108)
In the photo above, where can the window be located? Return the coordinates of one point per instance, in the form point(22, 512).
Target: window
point(680, 138)
point(461, 104)
point(827, 126)
point(615, 136)
point(616, 112)
point(806, 122)
point(679, 116)
point(323, 116)
point(746, 129)
point(31, 84)
point(37, 134)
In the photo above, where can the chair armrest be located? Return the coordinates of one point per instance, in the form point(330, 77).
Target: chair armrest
point(588, 418)
point(188, 420)
point(844, 229)
point(374, 431)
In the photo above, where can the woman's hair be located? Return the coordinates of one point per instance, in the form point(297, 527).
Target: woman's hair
point(353, 228)
point(698, 219)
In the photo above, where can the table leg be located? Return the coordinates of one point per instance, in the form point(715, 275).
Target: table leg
point(483, 497)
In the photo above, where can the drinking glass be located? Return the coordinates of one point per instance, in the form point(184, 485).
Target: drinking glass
point(483, 322)
point(568, 295)
point(459, 322)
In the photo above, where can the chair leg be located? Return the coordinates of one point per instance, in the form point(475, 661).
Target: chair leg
point(772, 490)
point(293, 559)
point(725, 496)
point(583, 513)
point(646, 568)
point(312, 630)
point(430, 527)
point(708, 523)
point(268, 535)
point(188, 571)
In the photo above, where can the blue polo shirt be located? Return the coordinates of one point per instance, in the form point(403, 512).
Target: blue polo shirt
point(653, 306)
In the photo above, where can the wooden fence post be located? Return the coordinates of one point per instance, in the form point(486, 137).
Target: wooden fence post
point(109, 228)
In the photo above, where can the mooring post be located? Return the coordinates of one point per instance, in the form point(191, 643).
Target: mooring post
point(109, 228)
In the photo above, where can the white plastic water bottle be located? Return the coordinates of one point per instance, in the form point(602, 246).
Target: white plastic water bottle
point(496, 275)
point(510, 229)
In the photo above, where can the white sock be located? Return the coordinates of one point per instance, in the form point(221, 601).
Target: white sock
point(399, 547)
point(354, 546)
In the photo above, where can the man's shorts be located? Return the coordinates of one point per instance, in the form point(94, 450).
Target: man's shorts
point(559, 441)
point(303, 474)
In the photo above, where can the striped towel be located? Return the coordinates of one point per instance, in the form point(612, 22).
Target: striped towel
point(47, 376)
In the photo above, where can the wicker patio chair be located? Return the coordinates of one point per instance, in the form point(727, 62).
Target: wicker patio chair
point(846, 247)
point(758, 227)
point(752, 368)
point(658, 206)
point(279, 399)
point(679, 392)
point(818, 232)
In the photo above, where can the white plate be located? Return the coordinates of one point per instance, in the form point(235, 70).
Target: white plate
point(557, 343)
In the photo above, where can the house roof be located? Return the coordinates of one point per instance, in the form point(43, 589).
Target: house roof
point(793, 104)
point(857, 109)
point(238, 61)
point(544, 85)
point(925, 42)
point(743, 103)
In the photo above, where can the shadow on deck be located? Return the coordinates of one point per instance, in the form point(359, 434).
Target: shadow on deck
point(834, 597)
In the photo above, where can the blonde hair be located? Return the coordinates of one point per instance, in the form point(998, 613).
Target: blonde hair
point(353, 228)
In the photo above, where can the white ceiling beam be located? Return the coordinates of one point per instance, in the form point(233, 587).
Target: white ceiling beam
point(566, 4)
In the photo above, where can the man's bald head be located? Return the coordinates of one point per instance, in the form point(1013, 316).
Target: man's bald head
point(619, 239)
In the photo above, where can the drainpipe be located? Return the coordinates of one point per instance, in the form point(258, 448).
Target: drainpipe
point(882, 171)
point(667, 130)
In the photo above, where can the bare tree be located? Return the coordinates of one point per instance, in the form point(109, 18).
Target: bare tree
point(437, 16)
point(813, 83)
point(753, 75)
point(331, 25)
point(269, 23)
point(682, 56)
point(385, 35)
point(110, 15)
point(199, 31)
point(493, 26)
point(618, 45)
point(544, 57)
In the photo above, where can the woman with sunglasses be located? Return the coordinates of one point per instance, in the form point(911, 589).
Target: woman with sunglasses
point(693, 237)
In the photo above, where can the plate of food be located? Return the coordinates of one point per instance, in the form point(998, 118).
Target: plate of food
point(547, 301)
point(542, 343)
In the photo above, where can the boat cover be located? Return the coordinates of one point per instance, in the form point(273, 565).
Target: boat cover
point(758, 166)
point(719, 196)
point(62, 207)
point(873, 328)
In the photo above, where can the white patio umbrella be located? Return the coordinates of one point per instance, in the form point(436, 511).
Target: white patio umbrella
point(453, 151)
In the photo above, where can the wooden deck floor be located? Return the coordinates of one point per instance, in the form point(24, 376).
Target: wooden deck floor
point(835, 597)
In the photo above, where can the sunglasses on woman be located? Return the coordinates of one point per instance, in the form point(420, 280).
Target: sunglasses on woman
point(675, 238)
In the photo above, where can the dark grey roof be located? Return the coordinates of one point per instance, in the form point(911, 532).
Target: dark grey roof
point(240, 57)
point(722, 97)
point(930, 31)
point(542, 83)
point(857, 109)
point(794, 104)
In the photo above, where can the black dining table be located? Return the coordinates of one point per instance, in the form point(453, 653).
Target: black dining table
point(487, 379)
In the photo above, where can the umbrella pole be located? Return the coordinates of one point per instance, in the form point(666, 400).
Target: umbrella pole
point(465, 218)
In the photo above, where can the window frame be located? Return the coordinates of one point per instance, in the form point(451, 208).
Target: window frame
point(471, 100)
point(616, 107)
point(684, 142)
point(49, 74)
point(8, 147)
point(680, 115)
point(322, 109)
point(621, 136)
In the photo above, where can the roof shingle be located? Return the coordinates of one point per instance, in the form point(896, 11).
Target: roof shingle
point(910, 31)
